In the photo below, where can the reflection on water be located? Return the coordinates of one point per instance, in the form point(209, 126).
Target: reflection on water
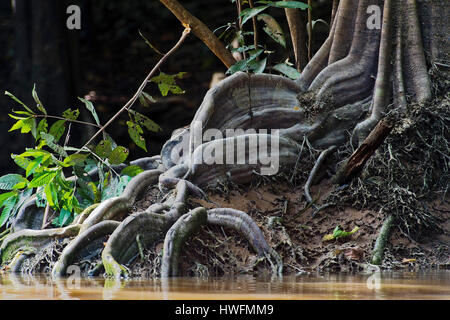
point(385, 285)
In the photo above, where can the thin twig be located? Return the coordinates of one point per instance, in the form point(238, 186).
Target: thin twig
point(314, 171)
point(309, 29)
point(128, 105)
point(65, 119)
point(255, 26)
point(239, 22)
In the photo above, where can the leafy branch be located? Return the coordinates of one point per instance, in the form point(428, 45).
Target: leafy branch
point(45, 165)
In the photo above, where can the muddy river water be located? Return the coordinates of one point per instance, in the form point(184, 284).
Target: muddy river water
point(384, 285)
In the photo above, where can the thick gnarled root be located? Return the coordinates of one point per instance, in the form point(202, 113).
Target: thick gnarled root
point(31, 240)
point(122, 246)
point(95, 232)
point(177, 236)
point(243, 224)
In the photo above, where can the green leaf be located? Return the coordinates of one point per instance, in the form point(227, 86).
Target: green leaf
point(39, 104)
point(43, 179)
point(34, 153)
point(51, 195)
point(132, 171)
point(339, 233)
point(143, 120)
point(9, 181)
point(18, 125)
point(103, 149)
point(166, 83)
point(6, 196)
point(18, 101)
point(21, 161)
point(76, 159)
point(33, 165)
point(249, 13)
point(6, 212)
point(118, 155)
point(91, 108)
point(25, 113)
point(258, 66)
point(285, 4)
point(71, 114)
point(145, 98)
point(55, 147)
point(246, 65)
point(42, 127)
point(57, 130)
point(149, 44)
point(287, 71)
point(273, 29)
point(64, 217)
point(135, 131)
point(41, 202)
point(26, 125)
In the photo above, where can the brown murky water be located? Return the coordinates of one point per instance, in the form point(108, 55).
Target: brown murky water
point(386, 285)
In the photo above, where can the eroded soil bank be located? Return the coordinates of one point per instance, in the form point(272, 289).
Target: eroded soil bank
point(406, 178)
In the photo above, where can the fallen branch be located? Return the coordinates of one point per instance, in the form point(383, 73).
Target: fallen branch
point(355, 164)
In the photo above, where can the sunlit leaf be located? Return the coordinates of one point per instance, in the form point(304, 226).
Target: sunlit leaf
point(33, 165)
point(9, 181)
point(91, 108)
point(43, 179)
point(6, 196)
point(51, 195)
point(71, 114)
point(18, 101)
point(8, 205)
point(39, 104)
point(132, 171)
point(57, 130)
point(118, 155)
point(339, 233)
point(135, 131)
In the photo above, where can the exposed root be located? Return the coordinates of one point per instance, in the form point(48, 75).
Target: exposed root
point(242, 223)
point(80, 242)
point(122, 248)
point(313, 175)
point(31, 240)
point(79, 219)
point(177, 236)
point(110, 208)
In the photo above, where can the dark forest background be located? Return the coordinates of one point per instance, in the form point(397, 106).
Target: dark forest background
point(107, 57)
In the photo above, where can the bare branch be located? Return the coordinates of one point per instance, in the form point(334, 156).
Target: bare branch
point(201, 31)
